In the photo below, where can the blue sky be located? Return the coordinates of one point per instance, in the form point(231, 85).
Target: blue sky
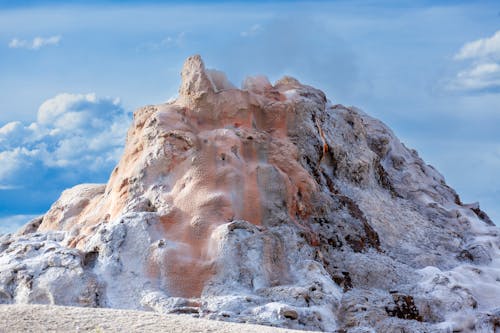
point(72, 74)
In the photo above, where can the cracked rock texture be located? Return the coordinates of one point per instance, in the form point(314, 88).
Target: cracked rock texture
point(267, 205)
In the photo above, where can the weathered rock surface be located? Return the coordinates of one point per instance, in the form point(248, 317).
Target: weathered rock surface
point(266, 205)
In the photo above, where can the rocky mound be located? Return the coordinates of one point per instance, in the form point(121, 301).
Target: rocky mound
point(268, 205)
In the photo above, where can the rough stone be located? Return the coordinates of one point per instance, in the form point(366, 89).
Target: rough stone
point(270, 205)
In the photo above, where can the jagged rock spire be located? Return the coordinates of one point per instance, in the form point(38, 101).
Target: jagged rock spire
point(196, 82)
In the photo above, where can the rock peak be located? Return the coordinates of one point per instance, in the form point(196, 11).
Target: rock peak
point(195, 80)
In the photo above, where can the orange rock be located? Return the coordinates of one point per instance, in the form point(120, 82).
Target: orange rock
point(210, 157)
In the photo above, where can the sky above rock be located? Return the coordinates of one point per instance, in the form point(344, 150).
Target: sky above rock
point(72, 75)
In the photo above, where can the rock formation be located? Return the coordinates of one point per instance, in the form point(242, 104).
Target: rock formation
point(268, 205)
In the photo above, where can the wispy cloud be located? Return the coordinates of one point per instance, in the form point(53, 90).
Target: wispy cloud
point(170, 41)
point(34, 44)
point(173, 40)
point(482, 73)
point(9, 224)
point(254, 30)
point(481, 77)
point(8, 187)
point(481, 48)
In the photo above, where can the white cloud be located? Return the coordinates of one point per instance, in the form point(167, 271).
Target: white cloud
point(12, 223)
point(478, 77)
point(482, 73)
point(14, 160)
point(254, 29)
point(171, 41)
point(35, 44)
point(16, 43)
point(74, 135)
point(8, 187)
point(481, 48)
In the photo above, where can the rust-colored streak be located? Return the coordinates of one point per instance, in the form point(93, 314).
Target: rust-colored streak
point(201, 164)
point(250, 195)
point(185, 275)
point(322, 135)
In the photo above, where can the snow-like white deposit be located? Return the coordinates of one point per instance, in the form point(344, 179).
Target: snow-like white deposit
point(265, 205)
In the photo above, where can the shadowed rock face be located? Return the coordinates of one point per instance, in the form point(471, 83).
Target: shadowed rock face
point(265, 204)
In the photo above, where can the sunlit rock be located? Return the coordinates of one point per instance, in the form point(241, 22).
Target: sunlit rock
point(268, 205)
